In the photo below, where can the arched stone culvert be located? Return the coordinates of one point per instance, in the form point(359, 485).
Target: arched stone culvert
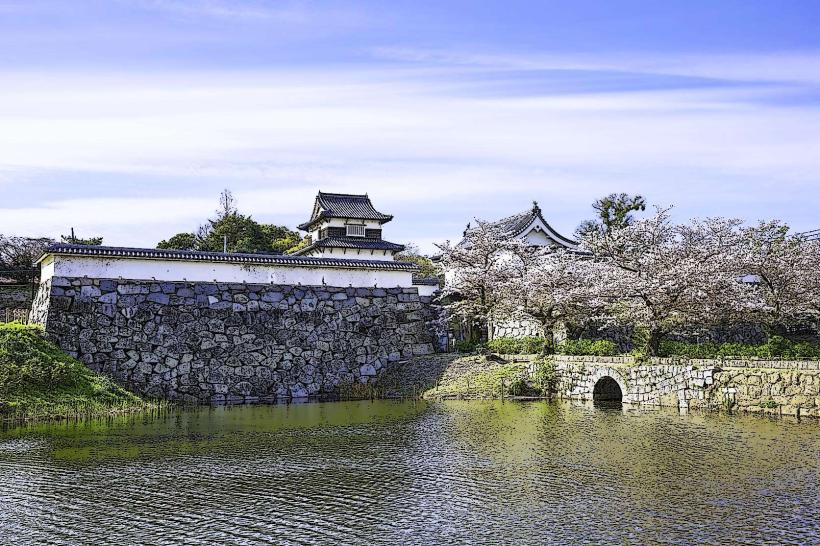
point(606, 389)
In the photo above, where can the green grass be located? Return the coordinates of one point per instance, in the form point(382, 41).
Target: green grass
point(39, 381)
point(483, 379)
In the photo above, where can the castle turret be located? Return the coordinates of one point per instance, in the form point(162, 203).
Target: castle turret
point(347, 226)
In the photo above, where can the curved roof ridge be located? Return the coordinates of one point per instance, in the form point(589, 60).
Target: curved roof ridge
point(515, 224)
point(343, 205)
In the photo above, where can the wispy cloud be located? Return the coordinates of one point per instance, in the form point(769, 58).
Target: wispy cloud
point(419, 131)
point(256, 12)
point(784, 67)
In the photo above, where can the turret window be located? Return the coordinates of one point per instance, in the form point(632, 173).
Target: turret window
point(355, 230)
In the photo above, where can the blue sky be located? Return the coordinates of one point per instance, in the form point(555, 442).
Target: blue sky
point(127, 118)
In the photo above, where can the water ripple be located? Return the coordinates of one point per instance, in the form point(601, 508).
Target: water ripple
point(391, 472)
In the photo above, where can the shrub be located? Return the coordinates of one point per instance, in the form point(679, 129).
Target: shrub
point(587, 347)
point(545, 375)
point(467, 346)
point(517, 345)
point(776, 347)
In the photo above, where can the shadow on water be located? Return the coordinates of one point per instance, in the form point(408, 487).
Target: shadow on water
point(608, 405)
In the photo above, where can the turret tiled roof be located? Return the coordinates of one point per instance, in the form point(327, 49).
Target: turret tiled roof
point(353, 243)
point(343, 205)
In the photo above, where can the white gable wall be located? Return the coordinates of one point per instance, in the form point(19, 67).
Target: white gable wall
point(539, 234)
point(352, 254)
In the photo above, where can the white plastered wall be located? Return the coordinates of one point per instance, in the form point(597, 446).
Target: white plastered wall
point(426, 290)
point(197, 271)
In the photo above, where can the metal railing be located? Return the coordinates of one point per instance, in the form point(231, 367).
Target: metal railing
point(14, 315)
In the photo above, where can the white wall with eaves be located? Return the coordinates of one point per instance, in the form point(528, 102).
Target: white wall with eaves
point(202, 271)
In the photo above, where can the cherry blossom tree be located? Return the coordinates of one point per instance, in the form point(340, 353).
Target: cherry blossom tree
point(548, 286)
point(475, 271)
point(785, 272)
point(659, 275)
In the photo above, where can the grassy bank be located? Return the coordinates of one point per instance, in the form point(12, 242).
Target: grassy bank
point(39, 381)
point(482, 377)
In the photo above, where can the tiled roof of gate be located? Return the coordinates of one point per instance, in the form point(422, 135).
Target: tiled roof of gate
point(353, 243)
point(514, 225)
point(191, 255)
point(344, 205)
point(426, 281)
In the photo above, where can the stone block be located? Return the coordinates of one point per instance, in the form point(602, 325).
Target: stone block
point(159, 297)
point(132, 289)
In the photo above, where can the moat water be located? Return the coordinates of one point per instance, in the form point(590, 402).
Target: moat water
point(412, 473)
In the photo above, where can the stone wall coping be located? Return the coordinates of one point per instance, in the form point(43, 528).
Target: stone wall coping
point(698, 362)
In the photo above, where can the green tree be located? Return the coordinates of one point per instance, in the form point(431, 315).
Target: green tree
point(90, 241)
point(613, 212)
point(412, 254)
point(180, 241)
point(303, 243)
point(241, 233)
point(281, 238)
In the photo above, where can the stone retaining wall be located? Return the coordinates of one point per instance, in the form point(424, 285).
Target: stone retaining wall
point(15, 296)
point(765, 390)
point(214, 342)
point(759, 386)
point(653, 385)
point(699, 362)
point(516, 327)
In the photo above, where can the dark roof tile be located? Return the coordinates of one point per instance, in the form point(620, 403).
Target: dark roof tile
point(343, 205)
point(426, 281)
point(352, 242)
point(190, 255)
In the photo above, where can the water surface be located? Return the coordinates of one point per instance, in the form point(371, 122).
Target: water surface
point(414, 473)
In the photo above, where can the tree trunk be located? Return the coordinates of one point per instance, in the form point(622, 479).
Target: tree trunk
point(653, 343)
point(548, 330)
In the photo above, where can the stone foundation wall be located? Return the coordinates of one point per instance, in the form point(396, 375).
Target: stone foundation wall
point(15, 296)
point(214, 342)
point(759, 386)
point(516, 327)
point(652, 385)
point(780, 391)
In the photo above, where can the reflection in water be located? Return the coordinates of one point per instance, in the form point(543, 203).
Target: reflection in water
point(388, 472)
